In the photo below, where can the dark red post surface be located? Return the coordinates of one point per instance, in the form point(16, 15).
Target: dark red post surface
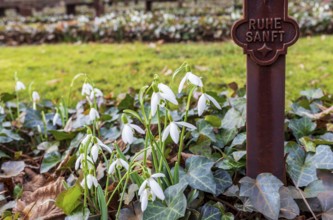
point(265, 34)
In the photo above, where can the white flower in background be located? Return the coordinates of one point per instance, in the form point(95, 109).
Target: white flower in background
point(128, 132)
point(35, 97)
point(86, 89)
point(150, 189)
point(2, 110)
point(91, 180)
point(101, 145)
point(202, 103)
point(80, 159)
point(119, 163)
point(19, 86)
point(55, 119)
point(165, 93)
point(193, 79)
point(93, 114)
point(96, 93)
point(174, 131)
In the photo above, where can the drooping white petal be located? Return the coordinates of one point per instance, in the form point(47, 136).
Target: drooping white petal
point(185, 124)
point(78, 162)
point(137, 128)
point(93, 114)
point(94, 180)
point(94, 152)
point(142, 187)
point(86, 89)
point(156, 189)
point(19, 86)
point(157, 175)
point(182, 83)
point(86, 139)
point(2, 110)
point(202, 104)
point(89, 181)
point(166, 133)
point(144, 200)
point(55, 119)
point(195, 80)
point(124, 163)
point(167, 93)
point(104, 146)
point(35, 97)
point(217, 105)
point(127, 134)
point(112, 167)
point(155, 101)
point(174, 132)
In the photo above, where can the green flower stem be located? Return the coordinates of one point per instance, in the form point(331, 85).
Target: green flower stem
point(17, 104)
point(161, 142)
point(122, 195)
point(146, 147)
point(181, 144)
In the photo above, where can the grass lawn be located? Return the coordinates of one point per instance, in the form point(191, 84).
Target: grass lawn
point(116, 67)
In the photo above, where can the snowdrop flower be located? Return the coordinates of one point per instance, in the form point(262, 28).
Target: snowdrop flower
point(128, 132)
point(174, 131)
point(55, 119)
point(195, 80)
point(202, 103)
point(93, 114)
point(80, 159)
point(2, 110)
point(19, 86)
point(101, 145)
point(96, 93)
point(86, 89)
point(164, 93)
point(94, 152)
point(35, 97)
point(91, 180)
point(119, 163)
point(150, 189)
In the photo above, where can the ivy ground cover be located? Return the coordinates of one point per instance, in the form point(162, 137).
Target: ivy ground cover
point(117, 67)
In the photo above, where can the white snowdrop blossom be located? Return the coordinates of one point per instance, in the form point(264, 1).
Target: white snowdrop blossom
point(193, 79)
point(93, 114)
point(80, 160)
point(164, 93)
point(2, 110)
point(150, 189)
point(118, 163)
point(86, 89)
point(35, 97)
point(174, 131)
point(202, 103)
point(96, 93)
point(55, 119)
point(19, 86)
point(128, 132)
point(91, 180)
point(103, 146)
point(94, 152)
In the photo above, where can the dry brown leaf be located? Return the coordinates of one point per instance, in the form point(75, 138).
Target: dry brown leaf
point(40, 203)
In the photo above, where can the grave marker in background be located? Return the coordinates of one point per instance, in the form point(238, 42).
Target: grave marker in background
point(265, 33)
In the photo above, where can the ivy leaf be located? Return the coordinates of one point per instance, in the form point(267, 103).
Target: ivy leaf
point(174, 209)
point(326, 201)
point(225, 136)
point(199, 175)
point(204, 128)
point(240, 139)
point(312, 94)
point(263, 193)
point(69, 199)
point(302, 127)
point(61, 135)
point(210, 212)
point(3, 155)
point(202, 147)
point(302, 167)
point(223, 181)
point(289, 208)
point(233, 119)
point(11, 168)
point(50, 160)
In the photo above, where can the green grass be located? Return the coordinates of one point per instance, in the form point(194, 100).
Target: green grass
point(116, 67)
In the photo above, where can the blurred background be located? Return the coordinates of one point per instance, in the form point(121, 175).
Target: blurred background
point(123, 43)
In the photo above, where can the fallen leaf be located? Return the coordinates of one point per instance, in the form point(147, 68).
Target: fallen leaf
point(12, 168)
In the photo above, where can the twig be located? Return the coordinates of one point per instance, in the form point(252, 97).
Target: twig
point(319, 215)
point(304, 199)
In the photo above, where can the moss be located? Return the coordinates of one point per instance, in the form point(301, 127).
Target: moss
point(116, 67)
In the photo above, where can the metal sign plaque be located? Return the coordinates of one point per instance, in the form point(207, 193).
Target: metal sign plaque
point(266, 30)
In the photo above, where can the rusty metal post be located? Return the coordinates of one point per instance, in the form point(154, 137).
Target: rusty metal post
point(265, 33)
